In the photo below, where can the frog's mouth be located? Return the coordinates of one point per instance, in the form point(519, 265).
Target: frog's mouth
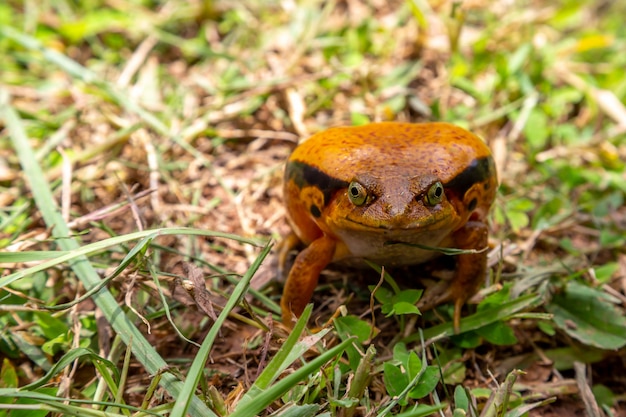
point(428, 224)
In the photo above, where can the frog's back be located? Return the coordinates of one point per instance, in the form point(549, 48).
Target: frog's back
point(391, 148)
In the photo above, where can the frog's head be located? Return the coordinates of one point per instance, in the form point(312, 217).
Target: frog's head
point(394, 177)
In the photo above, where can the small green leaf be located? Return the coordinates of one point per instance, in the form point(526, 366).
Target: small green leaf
point(606, 271)
point(400, 353)
point(382, 294)
point(518, 220)
point(359, 119)
point(546, 327)
point(521, 204)
point(536, 129)
point(8, 375)
point(56, 345)
point(567, 244)
point(351, 326)
point(589, 315)
point(427, 383)
point(402, 303)
point(549, 213)
point(604, 396)
point(461, 401)
point(395, 380)
point(403, 307)
point(519, 58)
point(605, 205)
point(413, 365)
point(611, 239)
point(482, 392)
point(50, 326)
point(409, 296)
point(354, 326)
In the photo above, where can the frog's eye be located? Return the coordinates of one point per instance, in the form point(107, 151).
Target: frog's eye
point(435, 194)
point(357, 193)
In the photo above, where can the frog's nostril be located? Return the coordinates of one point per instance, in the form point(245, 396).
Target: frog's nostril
point(393, 210)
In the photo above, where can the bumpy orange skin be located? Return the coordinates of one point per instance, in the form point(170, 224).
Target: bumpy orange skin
point(396, 164)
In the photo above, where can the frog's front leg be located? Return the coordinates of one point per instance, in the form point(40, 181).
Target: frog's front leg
point(469, 271)
point(304, 275)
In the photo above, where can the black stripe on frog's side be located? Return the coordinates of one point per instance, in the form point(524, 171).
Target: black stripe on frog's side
point(306, 175)
point(315, 211)
point(478, 171)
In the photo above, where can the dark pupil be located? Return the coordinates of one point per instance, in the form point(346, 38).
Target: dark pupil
point(354, 191)
point(438, 192)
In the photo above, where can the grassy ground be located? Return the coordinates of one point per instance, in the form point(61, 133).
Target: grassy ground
point(141, 152)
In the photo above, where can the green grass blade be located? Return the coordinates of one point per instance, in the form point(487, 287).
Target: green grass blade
point(480, 319)
point(34, 353)
point(92, 248)
point(67, 360)
point(423, 410)
point(59, 403)
point(84, 270)
point(29, 256)
point(197, 367)
point(140, 247)
point(288, 353)
point(264, 398)
point(278, 362)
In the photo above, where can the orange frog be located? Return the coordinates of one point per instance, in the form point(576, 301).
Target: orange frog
point(382, 192)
